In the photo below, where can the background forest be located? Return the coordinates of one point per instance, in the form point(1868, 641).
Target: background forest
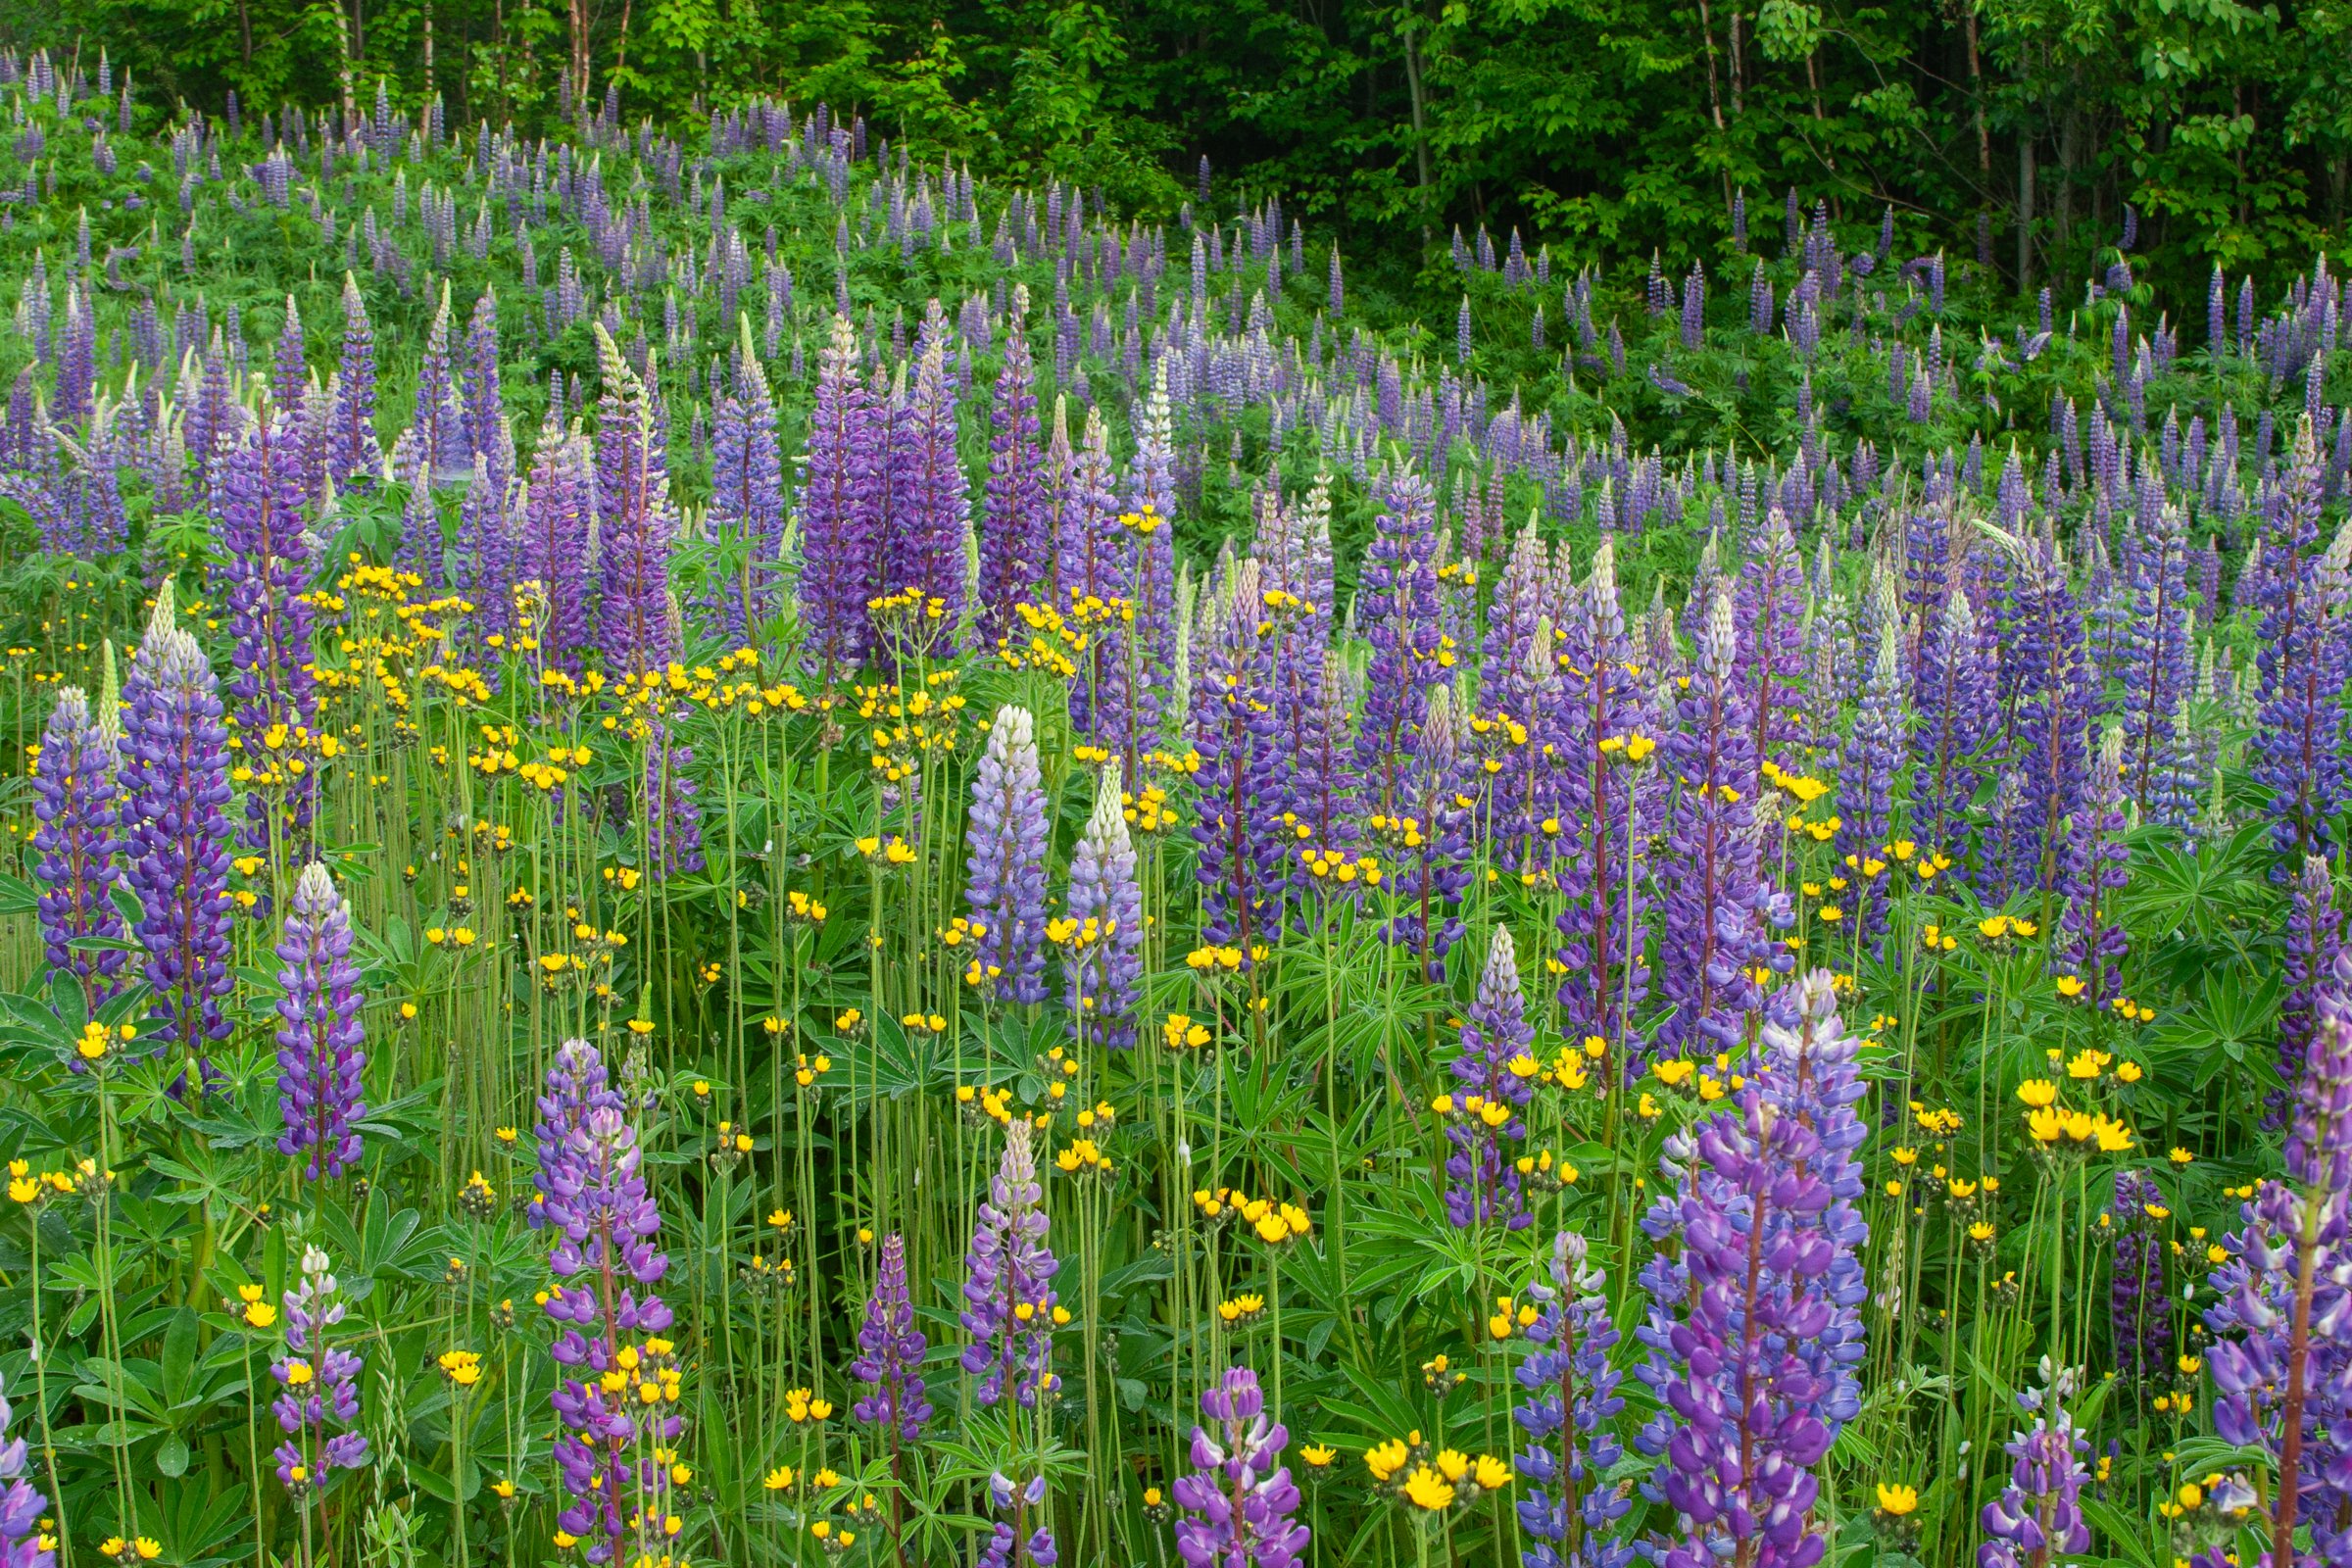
point(2011, 131)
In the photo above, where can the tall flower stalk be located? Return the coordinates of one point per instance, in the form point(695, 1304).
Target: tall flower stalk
point(320, 1061)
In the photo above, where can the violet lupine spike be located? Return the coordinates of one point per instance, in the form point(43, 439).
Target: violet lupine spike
point(2096, 871)
point(2298, 747)
point(1752, 1356)
point(840, 558)
point(747, 491)
point(262, 575)
point(1010, 1304)
point(2139, 1313)
point(1398, 614)
point(2157, 658)
point(890, 1359)
point(2282, 1368)
point(1431, 836)
point(1237, 824)
point(2048, 680)
point(1614, 799)
point(1012, 1544)
point(1004, 879)
point(1239, 1501)
point(1953, 693)
point(482, 427)
point(1871, 758)
point(605, 1256)
point(79, 841)
point(289, 365)
point(1496, 1077)
point(25, 1543)
point(925, 549)
point(2038, 1517)
point(635, 621)
point(175, 798)
point(559, 520)
point(673, 816)
point(1717, 903)
point(1770, 603)
point(1149, 663)
point(435, 434)
point(1012, 543)
point(2315, 936)
point(1568, 1415)
point(320, 1062)
point(353, 452)
point(1097, 576)
point(317, 1405)
point(1103, 961)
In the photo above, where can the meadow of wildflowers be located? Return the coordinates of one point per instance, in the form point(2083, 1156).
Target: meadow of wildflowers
point(728, 850)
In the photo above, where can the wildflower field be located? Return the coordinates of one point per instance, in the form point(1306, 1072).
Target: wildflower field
point(724, 848)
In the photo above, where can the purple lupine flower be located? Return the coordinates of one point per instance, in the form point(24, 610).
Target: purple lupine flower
point(1769, 669)
point(1012, 1544)
point(320, 1061)
point(175, 795)
point(482, 426)
point(593, 1194)
point(1008, 1286)
point(636, 623)
point(262, 576)
point(1752, 1330)
point(1431, 835)
point(1095, 572)
point(79, 840)
point(1870, 759)
point(1397, 614)
point(23, 1544)
point(1013, 544)
point(2281, 1369)
point(2156, 676)
point(747, 491)
point(289, 365)
point(489, 556)
point(1005, 878)
point(434, 444)
point(2298, 747)
point(1236, 823)
point(924, 549)
point(558, 523)
point(1148, 668)
point(1238, 1501)
point(1717, 904)
point(840, 557)
point(1614, 801)
point(2315, 936)
point(673, 817)
point(352, 449)
point(891, 1349)
point(2139, 1315)
point(318, 1406)
point(1103, 961)
point(1496, 1074)
point(2038, 1516)
point(1571, 1403)
point(2049, 685)
point(1953, 691)
point(2095, 870)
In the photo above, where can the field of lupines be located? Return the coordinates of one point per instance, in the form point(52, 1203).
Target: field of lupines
point(722, 849)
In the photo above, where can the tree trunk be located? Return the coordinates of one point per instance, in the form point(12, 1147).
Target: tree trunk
point(428, 51)
point(1707, 30)
point(2024, 212)
point(1738, 66)
point(1412, 84)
